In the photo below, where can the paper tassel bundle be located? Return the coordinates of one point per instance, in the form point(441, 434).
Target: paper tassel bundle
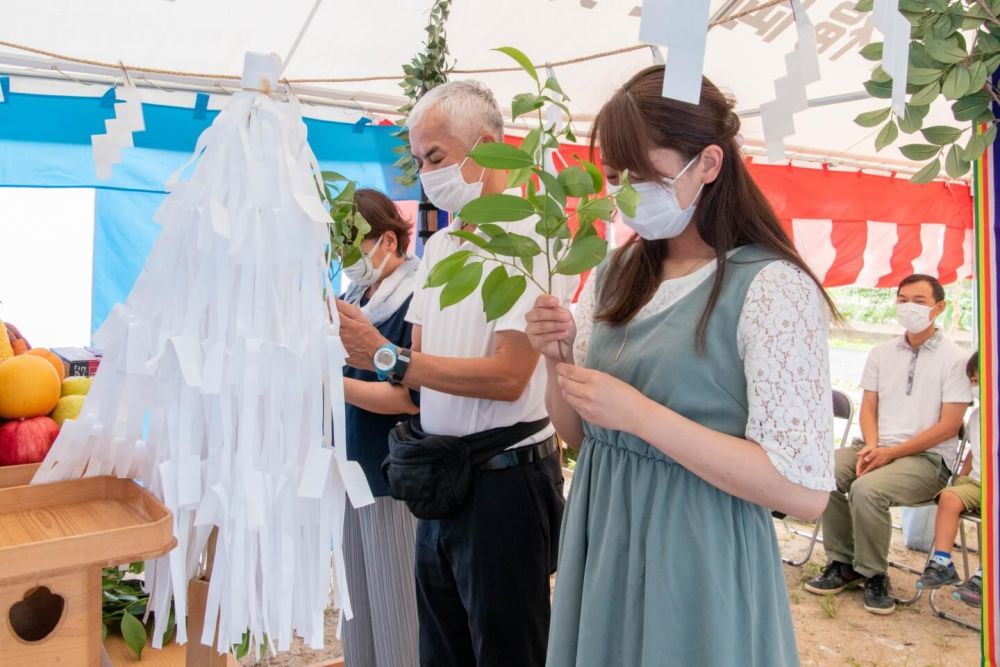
point(221, 387)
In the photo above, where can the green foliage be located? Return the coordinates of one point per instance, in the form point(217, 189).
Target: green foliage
point(954, 51)
point(347, 226)
point(878, 305)
point(548, 197)
point(123, 604)
point(426, 70)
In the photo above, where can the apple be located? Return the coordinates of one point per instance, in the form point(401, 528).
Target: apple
point(26, 440)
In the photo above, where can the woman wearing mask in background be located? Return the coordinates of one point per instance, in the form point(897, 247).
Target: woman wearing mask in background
point(379, 538)
point(702, 401)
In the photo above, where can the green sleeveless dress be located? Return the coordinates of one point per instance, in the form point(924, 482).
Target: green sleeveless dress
point(657, 566)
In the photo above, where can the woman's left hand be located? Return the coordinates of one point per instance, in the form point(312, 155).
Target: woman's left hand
point(601, 399)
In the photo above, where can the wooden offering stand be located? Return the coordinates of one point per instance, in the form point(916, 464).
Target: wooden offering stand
point(54, 540)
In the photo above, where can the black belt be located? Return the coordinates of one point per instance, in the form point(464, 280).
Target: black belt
point(522, 456)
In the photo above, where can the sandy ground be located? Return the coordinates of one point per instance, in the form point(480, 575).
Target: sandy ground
point(835, 631)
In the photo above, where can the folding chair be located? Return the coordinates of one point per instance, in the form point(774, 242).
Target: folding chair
point(973, 518)
point(843, 408)
point(962, 442)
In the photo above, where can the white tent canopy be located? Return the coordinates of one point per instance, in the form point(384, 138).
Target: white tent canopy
point(194, 41)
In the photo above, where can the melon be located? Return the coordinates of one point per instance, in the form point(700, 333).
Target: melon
point(29, 387)
point(26, 440)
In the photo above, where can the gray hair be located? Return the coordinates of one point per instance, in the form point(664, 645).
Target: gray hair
point(469, 108)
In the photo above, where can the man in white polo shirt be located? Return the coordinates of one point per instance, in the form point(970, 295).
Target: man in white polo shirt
point(915, 395)
point(482, 574)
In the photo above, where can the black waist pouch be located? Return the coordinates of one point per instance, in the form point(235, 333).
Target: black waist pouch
point(432, 474)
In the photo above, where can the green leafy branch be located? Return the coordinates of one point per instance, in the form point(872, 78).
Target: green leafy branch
point(123, 605)
point(954, 52)
point(348, 227)
point(548, 197)
point(426, 70)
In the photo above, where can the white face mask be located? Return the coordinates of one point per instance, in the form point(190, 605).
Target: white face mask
point(913, 317)
point(659, 215)
point(363, 272)
point(446, 188)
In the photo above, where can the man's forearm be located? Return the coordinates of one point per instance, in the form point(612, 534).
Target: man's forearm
point(926, 439)
point(869, 427)
point(379, 397)
point(474, 377)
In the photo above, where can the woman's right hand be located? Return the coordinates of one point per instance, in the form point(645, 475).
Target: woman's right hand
point(551, 329)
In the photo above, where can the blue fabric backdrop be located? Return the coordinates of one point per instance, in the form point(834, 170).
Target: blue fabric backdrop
point(45, 142)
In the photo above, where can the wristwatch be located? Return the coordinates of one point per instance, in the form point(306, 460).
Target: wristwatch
point(391, 361)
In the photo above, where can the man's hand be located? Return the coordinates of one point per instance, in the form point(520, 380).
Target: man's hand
point(875, 459)
point(359, 337)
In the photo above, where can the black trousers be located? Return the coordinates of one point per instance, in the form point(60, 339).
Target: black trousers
point(483, 574)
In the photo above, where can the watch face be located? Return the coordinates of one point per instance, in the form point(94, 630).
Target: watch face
point(384, 359)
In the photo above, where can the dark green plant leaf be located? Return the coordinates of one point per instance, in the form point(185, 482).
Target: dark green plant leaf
point(243, 648)
point(500, 155)
point(882, 91)
point(627, 198)
point(921, 76)
point(104, 632)
point(333, 176)
point(956, 83)
point(352, 255)
point(886, 136)
point(945, 51)
point(471, 237)
point(518, 177)
point(462, 284)
point(879, 75)
point(137, 568)
point(524, 103)
point(520, 59)
point(926, 95)
point(530, 142)
point(496, 208)
point(954, 165)
point(584, 253)
point(490, 229)
point(872, 118)
point(553, 85)
point(503, 297)
point(978, 76)
point(873, 51)
point(444, 270)
point(919, 152)
point(493, 280)
point(913, 118)
point(928, 173)
point(513, 245)
point(550, 228)
point(553, 187)
point(596, 209)
point(576, 181)
point(971, 106)
point(595, 175)
point(168, 634)
point(941, 134)
point(134, 634)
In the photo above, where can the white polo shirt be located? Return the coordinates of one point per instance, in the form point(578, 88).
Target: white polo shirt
point(912, 384)
point(461, 330)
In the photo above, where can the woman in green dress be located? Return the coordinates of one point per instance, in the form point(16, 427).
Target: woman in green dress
point(700, 402)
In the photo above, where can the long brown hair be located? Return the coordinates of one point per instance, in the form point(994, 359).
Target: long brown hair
point(732, 211)
point(381, 213)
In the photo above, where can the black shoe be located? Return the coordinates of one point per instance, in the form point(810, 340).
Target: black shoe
point(971, 592)
point(836, 576)
point(937, 575)
point(878, 595)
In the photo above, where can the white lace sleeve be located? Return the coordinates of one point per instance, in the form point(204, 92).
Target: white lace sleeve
point(782, 336)
point(583, 315)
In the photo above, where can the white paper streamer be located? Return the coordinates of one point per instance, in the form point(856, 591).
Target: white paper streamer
point(895, 29)
point(682, 27)
point(802, 68)
point(108, 147)
point(225, 348)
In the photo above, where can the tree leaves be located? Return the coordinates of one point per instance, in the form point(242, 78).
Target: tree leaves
point(886, 136)
point(446, 269)
point(919, 152)
point(873, 52)
point(972, 106)
point(525, 103)
point(928, 173)
point(576, 182)
point(872, 118)
point(913, 118)
point(584, 253)
point(463, 283)
point(945, 51)
point(954, 164)
point(501, 292)
point(513, 245)
point(496, 208)
point(941, 134)
point(956, 83)
point(521, 60)
point(134, 634)
point(500, 155)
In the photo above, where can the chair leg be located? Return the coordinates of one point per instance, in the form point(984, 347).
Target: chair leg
point(813, 538)
point(945, 615)
point(911, 570)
